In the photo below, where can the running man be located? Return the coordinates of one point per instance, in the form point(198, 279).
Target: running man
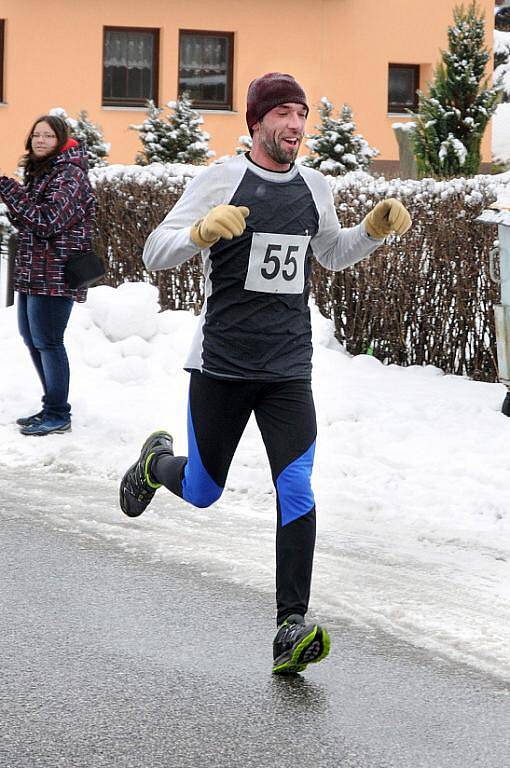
point(258, 220)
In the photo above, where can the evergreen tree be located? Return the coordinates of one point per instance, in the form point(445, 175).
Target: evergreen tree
point(453, 116)
point(176, 139)
point(152, 131)
point(337, 149)
point(88, 134)
point(245, 144)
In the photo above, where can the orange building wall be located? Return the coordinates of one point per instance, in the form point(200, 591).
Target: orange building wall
point(335, 48)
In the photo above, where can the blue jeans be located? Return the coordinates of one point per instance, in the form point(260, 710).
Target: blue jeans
point(42, 321)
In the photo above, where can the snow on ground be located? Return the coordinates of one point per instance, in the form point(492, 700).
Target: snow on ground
point(501, 133)
point(412, 475)
point(501, 119)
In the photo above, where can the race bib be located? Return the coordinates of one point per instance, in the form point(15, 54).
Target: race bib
point(277, 263)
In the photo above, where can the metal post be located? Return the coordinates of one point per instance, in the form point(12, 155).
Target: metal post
point(406, 155)
point(500, 273)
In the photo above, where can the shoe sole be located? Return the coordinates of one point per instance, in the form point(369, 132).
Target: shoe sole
point(122, 499)
point(59, 431)
point(310, 650)
point(122, 496)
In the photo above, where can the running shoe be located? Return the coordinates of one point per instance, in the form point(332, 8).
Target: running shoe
point(297, 644)
point(138, 487)
point(24, 421)
point(46, 426)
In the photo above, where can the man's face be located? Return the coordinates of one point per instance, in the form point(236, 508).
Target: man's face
point(280, 132)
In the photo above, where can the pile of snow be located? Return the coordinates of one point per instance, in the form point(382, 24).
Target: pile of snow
point(501, 119)
point(501, 133)
point(412, 475)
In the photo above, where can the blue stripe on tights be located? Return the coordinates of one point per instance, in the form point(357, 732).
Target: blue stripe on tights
point(293, 487)
point(198, 487)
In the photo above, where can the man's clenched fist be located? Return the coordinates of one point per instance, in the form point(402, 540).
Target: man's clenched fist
point(225, 221)
point(388, 216)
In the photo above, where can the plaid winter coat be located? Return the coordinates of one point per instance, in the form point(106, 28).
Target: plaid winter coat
point(54, 216)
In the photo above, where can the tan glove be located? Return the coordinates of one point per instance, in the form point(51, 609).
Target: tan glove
point(387, 216)
point(225, 221)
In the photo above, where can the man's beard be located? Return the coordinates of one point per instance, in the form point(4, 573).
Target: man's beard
point(277, 153)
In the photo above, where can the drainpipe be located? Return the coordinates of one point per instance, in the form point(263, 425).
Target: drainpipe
point(499, 269)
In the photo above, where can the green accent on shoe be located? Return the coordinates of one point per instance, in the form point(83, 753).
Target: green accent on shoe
point(297, 662)
point(148, 477)
point(137, 488)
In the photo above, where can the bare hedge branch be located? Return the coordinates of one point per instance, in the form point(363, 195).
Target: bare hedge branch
point(425, 298)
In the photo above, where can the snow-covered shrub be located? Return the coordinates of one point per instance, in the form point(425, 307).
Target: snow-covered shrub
point(176, 138)
point(88, 133)
point(425, 298)
point(453, 116)
point(337, 148)
point(245, 144)
point(131, 201)
point(6, 227)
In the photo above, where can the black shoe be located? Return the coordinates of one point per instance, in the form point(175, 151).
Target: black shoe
point(137, 487)
point(47, 426)
point(26, 421)
point(298, 644)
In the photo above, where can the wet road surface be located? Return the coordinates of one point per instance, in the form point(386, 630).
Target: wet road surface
point(112, 659)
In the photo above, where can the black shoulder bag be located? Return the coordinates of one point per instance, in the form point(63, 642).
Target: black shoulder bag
point(83, 269)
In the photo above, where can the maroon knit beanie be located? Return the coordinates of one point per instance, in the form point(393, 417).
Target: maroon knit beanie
point(267, 92)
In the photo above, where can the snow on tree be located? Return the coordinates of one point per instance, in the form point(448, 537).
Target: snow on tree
point(87, 133)
point(337, 148)
point(177, 138)
point(453, 116)
point(245, 144)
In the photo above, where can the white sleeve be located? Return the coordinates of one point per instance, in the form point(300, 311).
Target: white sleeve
point(333, 246)
point(170, 243)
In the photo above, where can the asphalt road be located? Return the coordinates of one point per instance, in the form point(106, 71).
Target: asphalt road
point(112, 659)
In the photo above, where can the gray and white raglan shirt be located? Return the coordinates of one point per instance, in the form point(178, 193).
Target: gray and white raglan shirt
point(255, 321)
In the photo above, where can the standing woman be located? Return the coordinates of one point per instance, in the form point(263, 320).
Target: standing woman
point(53, 211)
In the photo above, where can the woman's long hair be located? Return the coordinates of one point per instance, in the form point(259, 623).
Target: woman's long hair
point(34, 166)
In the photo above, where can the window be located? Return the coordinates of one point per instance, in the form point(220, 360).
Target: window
point(205, 67)
point(2, 26)
point(130, 66)
point(403, 83)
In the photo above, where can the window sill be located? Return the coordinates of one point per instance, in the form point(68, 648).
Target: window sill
point(123, 109)
point(119, 108)
point(399, 114)
point(216, 111)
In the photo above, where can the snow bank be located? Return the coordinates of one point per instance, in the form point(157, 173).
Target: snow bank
point(412, 475)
